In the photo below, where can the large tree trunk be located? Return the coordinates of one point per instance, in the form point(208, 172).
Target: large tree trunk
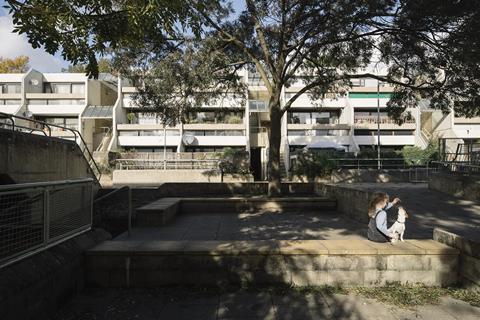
point(275, 135)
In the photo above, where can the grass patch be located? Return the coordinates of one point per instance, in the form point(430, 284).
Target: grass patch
point(406, 296)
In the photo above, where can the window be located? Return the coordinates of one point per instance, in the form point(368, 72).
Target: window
point(12, 102)
point(215, 132)
point(61, 88)
point(230, 117)
point(64, 88)
point(258, 105)
point(358, 82)
point(71, 122)
point(37, 102)
point(78, 88)
point(10, 88)
point(331, 117)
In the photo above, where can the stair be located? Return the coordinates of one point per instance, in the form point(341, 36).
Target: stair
point(283, 169)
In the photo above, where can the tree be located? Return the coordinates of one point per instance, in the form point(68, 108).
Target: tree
point(429, 47)
point(16, 65)
point(104, 66)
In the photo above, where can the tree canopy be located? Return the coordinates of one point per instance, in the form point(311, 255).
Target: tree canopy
point(104, 66)
point(16, 65)
point(429, 48)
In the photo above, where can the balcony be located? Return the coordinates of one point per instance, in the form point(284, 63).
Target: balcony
point(368, 102)
point(304, 101)
point(219, 137)
point(386, 140)
point(370, 122)
point(337, 134)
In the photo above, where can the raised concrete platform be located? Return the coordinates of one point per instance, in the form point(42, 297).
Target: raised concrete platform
point(304, 262)
point(428, 209)
point(158, 213)
point(162, 211)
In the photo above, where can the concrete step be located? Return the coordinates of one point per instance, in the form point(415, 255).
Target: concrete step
point(270, 262)
point(158, 213)
point(240, 204)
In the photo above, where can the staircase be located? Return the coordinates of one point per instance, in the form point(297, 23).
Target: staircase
point(283, 169)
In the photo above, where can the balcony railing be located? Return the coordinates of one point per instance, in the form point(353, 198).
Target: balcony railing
point(157, 164)
point(374, 120)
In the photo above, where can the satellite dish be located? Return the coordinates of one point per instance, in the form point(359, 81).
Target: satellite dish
point(188, 139)
point(28, 114)
point(34, 82)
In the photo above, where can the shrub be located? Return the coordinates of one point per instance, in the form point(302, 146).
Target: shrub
point(415, 156)
point(235, 120)
point(234, 161)
point(313, 164)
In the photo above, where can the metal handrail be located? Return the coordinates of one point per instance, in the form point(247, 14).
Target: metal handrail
point(373, 162)
point(130, 208)
point(93, 165)
point(30, 185)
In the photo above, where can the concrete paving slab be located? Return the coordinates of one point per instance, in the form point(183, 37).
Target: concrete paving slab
point(245, 305)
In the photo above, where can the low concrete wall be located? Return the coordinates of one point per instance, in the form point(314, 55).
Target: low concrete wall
point(302, 263)
point(156, 177)
point(469, 263)
point(35, 158)
point(36, 287)
point(351, 202)
point(370, 175)
point(111, 214)
point(457, 185)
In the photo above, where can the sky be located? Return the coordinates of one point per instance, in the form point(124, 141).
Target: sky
point(13, 44)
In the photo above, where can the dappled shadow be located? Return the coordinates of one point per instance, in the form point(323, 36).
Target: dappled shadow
point(193, 302)
point(428, 209)
point(262, 225)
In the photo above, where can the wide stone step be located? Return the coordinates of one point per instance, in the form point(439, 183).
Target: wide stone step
point(160, 212)
point(303, 262)
point(240, 204)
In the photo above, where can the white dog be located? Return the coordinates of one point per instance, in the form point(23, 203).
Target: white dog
point(398, 228)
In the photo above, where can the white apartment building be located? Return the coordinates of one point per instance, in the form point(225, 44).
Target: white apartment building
point(68, 100)
point(106, 116)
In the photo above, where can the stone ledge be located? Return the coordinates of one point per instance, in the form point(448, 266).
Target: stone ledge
point(274, 247)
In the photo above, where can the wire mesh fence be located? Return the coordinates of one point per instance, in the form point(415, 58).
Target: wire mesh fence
point(35, 216)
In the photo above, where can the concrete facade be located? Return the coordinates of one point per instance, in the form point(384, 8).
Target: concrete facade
point(150, 177)
point(346, 119)
point(34, 158)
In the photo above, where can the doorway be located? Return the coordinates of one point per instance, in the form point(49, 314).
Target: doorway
point(256, 163)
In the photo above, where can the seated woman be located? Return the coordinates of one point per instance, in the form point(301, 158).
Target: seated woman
point(377, 226)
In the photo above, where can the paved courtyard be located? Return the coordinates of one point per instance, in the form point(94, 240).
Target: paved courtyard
point(429, 209)
point(197, 304)
point(254, 226)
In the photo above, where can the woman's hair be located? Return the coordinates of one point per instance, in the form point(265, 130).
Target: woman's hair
point(377, 198)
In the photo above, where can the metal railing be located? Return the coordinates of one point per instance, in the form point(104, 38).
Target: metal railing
point(374, 120)
point(178, 164)
point(417, 173)
point(44, 128)
point(36, 216)
point(459, 167)
point(367, 163)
